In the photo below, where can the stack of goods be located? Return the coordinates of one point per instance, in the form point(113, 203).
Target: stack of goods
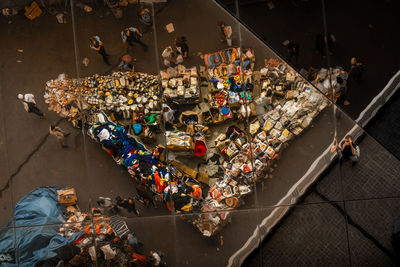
point(142, 164)
point(180, 85)
point(238, 177)
point(96, 235)
point(123, 96)
point(334, 79)
point(193, 139)
point(210, 223)
point(218, 62)
point(292, 103)
point(63, 97)
point(122, 93)
point(227, 91)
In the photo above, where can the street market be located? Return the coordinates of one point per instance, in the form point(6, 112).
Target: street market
point(205, 147)
point(123, 111)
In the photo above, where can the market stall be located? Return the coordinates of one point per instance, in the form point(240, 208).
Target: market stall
point(70, 236)
point(206, 126)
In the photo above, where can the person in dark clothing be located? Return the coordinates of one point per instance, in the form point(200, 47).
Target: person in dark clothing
point(348, 150)
point(132, 35)
point(356, 70)
point(128, 204)
point(182, 47)
point(320, 43)
point(97, 45)
point(145, 195)
point(293, 49)
point(145, 17)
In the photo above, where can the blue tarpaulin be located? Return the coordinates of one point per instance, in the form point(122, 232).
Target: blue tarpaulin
point(36, 242)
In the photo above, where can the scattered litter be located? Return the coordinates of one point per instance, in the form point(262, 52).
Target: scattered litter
point(33, 11)
point(9, 12)
point(60, 18)
point(170, 27)
point(85, 62)
point(286, 42)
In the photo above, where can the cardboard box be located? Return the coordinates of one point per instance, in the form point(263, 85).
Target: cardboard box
point(67, 197)
point(33, 11)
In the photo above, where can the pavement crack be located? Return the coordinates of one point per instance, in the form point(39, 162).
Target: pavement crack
point(30, 155)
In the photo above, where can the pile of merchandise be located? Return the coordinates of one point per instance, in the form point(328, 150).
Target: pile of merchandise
point(231, 85)
point(71, 237)
point(332, 81)
point(122, 92)
point(289, 104)
point(63, 97)
point(143, 165)
point(120, 95)
point(180, 85)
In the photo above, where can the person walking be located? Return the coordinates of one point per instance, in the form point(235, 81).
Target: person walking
point(356, 69)
point(168, 56)
point(97, 45)
point(182, 48)
point(131, 35)
point(155, 258)
point(293, 49)
point(29, 103)
point(59, 134)
point(126, 63)
point(226, 33)
point(348, 150)
point(145, 17)
point(128, 204)
point(107, 203)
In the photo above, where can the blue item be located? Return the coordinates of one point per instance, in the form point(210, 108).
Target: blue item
point(224, 111)
point(36, 244)
point(137, 128)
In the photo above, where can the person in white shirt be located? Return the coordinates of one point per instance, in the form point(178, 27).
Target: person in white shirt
point(97, 45)
point(29, 103)
point(155, 258)
point(168, 56)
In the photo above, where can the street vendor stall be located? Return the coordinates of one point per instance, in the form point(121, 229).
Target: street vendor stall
point(230, 155)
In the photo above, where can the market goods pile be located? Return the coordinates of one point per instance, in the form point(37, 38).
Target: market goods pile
point(288, 104)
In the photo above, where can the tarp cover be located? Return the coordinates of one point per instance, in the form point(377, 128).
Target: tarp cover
point(35, 243)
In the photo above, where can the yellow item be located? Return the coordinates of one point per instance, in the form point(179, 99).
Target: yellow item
point(107, 93)
point(130, 101)
point(187, 207)
point(285, 133)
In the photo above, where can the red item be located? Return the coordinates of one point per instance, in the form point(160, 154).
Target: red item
point(139, 259)
point(199, 148)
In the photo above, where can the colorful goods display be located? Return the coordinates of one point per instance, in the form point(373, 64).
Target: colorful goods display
point(288, 105)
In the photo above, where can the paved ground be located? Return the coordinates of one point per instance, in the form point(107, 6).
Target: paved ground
point(24, 140)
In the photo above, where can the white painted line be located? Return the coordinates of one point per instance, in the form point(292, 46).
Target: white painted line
point(269, 222)
point(282, 208)
point(376, 99)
